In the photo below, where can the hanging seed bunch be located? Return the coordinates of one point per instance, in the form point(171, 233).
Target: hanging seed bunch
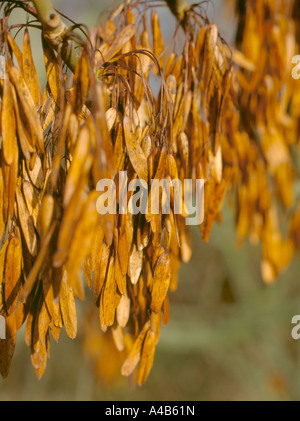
point(105, 119)
point(265, 134)
point(178, 144)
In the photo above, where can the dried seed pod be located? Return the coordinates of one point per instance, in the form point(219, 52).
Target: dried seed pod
point(8, 124)
point(57, 146)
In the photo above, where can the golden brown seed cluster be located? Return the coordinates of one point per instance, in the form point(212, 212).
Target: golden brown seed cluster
point(229, 117)
point(263, 137)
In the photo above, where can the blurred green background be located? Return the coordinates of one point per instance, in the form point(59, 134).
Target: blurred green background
point(229, 337)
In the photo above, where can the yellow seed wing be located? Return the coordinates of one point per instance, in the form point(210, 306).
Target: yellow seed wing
point(161, 281)
point(123, 246)
point(7, 346)
point(28, 107)
point(23, 135)
point(119, 277)
point(110, 295)
point(16, 50)
point(2, 260)
point(123, 311)
point(134, 355)
point(100, 269)
point(125, 35)
point(13, 264)
point(81, 84)
point(27, 224)
point(68, 307)
point(147, 357)
point(135, 152)
point(135, 264)
point(81, 241)
point(158, 43)
point(80, 164)
point(29, 71)
point(52, 71)
point(8, 124)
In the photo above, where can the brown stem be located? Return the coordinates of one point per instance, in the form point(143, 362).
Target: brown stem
point(54, 27)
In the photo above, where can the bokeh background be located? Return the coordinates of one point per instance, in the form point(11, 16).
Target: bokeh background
point(229, 337)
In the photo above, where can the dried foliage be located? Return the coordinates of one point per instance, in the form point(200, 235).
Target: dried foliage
point(228, 116)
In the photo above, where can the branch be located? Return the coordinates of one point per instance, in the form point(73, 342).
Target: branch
point(53, 32)
point(54, 28)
